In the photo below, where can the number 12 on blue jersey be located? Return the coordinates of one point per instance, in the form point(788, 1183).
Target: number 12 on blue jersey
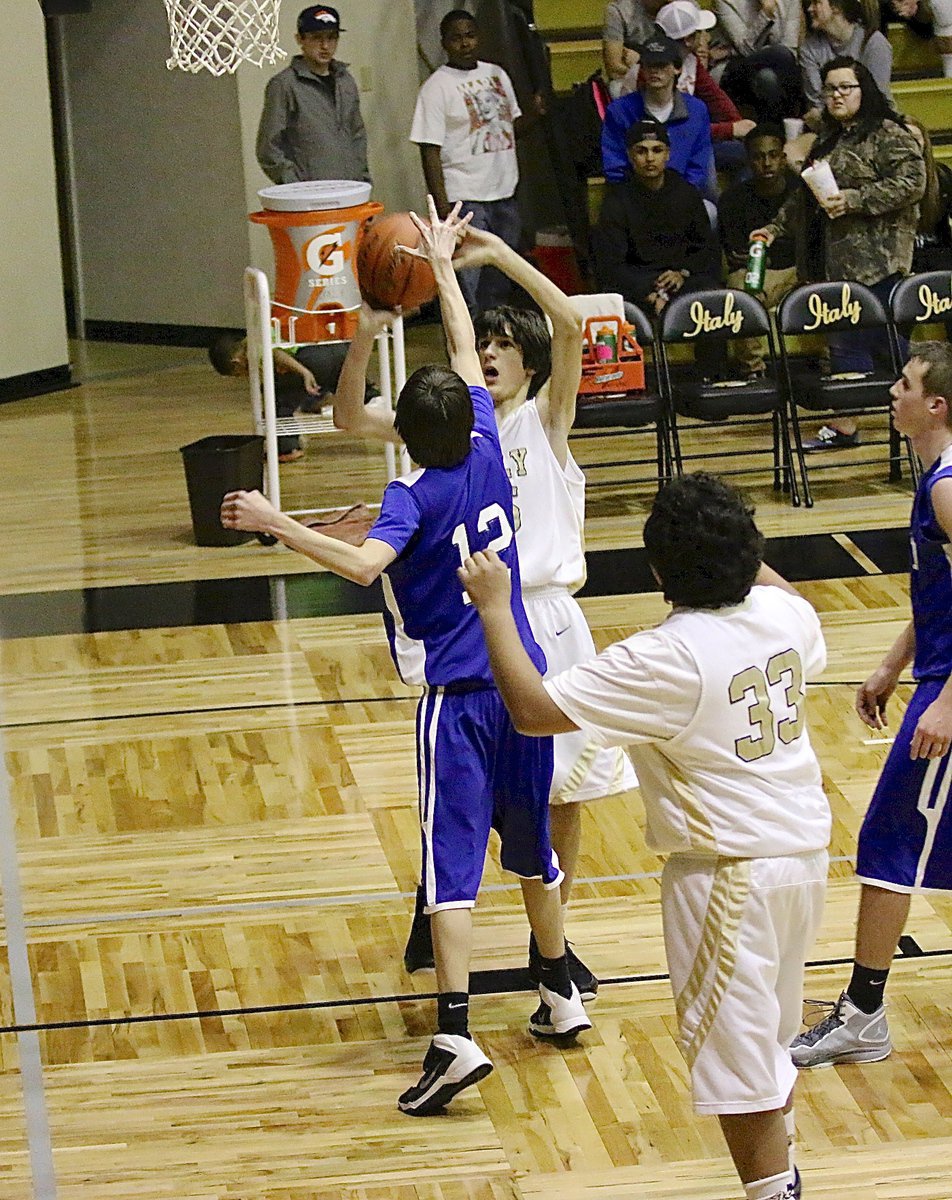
point(491, 513)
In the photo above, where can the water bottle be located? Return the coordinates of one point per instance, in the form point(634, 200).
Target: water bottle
point(606, 339)
point(756, 265)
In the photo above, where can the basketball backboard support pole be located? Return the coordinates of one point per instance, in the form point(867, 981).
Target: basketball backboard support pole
point(393, 374)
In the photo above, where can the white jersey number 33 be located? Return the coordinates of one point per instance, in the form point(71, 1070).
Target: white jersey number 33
point(750, 687)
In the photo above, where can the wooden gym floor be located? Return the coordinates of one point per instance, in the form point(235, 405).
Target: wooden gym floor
point(215, 831)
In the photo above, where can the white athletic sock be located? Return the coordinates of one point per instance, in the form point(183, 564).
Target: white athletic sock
point(790, 1124)
point(768, 1189)
point(947, 65)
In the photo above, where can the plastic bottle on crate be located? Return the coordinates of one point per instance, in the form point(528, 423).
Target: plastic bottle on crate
point(607, 339)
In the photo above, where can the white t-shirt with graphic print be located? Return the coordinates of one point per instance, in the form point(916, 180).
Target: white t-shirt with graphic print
point(470, 116)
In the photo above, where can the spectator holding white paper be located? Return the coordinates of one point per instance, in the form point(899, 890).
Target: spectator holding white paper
point(868, 225)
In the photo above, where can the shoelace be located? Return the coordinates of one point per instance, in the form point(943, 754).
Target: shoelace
point(820, 1026)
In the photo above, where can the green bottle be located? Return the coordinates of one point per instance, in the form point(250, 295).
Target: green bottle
point(756, 265)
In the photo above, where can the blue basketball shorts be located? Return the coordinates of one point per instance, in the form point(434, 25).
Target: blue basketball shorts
point(905, 843)
point(476, 773)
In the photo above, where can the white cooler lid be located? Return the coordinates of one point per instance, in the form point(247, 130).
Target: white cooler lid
point(313, 195)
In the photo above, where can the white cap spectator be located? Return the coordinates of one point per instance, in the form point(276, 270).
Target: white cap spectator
point(681, 18)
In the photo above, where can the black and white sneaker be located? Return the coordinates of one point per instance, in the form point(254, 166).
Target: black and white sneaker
point(451, 1064)
point(558, 1017)
point(580, 975)
point(418, 955)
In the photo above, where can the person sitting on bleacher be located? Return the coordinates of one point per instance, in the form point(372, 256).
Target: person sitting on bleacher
point(749, 205)
point(762, 75)
point(628, 23)
point(654, 240)
point(931, 19)
point(685, 118)
point(933, 250)
point(837, 28)
point(685, 23)
point(868, 228)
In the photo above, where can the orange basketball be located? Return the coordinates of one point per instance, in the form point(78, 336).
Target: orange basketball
point(387, 278)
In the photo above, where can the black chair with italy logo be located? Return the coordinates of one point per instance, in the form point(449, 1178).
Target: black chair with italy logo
point(840, 306)
point(698, 405)
point(915, 304)
point(621, 393)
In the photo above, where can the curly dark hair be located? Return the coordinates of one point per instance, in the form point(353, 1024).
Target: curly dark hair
point(702, 542)
point(528, 330)
point(874, 108)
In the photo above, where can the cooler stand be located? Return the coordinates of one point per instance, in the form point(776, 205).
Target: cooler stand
point(263, 336)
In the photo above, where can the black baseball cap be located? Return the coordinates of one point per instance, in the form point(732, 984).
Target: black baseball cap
point(646, 131)
point(659, 49)
point(319, 18)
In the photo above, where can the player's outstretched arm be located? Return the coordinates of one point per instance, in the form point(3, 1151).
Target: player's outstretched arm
point(767, 576)
point(873, 695)
point(350, 412)
point(532, 709)
point(439, 240)
point(255, 513)
point(557, 404)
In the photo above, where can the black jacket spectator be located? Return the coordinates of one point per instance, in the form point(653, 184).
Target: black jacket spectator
point(643, 232)
point(740, 210)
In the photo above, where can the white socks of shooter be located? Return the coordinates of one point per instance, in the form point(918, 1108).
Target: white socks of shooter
point(769, 1189)
point(947, 66)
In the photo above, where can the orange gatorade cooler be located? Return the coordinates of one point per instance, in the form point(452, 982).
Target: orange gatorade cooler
point(315, 229)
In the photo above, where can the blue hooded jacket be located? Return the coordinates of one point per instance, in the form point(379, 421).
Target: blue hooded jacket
point(689, 132)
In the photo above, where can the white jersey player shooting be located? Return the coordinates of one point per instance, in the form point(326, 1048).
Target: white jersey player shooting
point(533, 379)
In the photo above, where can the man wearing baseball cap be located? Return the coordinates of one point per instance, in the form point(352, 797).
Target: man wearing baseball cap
point(683, 22)
point(654, 238)
point(684, 117)
point(311, 127)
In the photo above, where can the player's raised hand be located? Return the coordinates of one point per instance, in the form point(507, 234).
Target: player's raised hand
point(438, 237)
point(479, 248)
point(872, 696)
point(374, 320)
point(249, 511)
point(486, 578)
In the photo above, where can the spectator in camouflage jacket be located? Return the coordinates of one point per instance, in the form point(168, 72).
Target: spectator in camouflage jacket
point(867, 230)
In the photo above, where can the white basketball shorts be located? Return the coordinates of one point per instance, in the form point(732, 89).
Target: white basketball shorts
point(583, 770)
point(737, 933)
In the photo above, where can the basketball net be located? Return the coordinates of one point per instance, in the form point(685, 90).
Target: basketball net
point(218, 35)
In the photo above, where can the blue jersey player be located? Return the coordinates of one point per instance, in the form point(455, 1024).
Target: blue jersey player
point(905, 844)
point(474, 771)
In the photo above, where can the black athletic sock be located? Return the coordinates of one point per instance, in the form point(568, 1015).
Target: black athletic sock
point(453, 1013)
point(866, 987)
point(554, 973)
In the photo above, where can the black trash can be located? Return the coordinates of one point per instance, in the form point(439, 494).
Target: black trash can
point(213, 467)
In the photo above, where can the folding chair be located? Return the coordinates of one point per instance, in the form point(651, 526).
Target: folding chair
point(917, 301)
point(824, 308)
point(609, 403)
point(724, 314)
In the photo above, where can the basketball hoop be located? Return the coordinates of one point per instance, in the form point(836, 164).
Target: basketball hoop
point(218, 35)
